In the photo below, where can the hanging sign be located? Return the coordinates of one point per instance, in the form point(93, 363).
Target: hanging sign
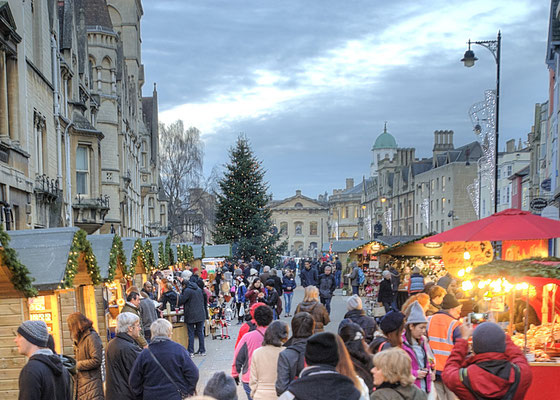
point(459, 255)
point(538, 204)
point(515, 250)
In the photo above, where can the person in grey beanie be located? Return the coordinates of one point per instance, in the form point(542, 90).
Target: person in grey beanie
point(44, 377)
point(357, 315)
point(221, 387)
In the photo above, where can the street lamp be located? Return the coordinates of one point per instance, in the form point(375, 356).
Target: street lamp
point(494, 46)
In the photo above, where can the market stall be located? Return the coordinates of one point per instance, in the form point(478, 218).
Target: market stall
point(529, 291)
point(110, 295)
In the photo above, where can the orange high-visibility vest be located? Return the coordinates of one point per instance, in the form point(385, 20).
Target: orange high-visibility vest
point(440, 334)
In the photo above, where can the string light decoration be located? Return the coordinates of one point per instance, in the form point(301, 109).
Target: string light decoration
point(116, 257)
point(148, 257)
point(425, 212)
point(188, 253)
point(20, 275)
point(162, 256)
point(80, 245)
point(137, 252)
point(242, 216)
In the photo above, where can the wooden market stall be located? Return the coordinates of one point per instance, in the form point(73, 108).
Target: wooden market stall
point(114, 272)
point(65, 271)
point(533, 284)
point(340, 248)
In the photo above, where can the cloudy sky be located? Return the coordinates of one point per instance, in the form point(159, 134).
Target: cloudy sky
point(311, 82)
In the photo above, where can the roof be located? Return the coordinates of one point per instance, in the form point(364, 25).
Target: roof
point(553, 26)
point(155, 241)
point(521, 173)
point(421, 166)
point(96, 13)
point(45, 253)
point(215, 251)
point(82, 124)
point(387, 241)
point(355, 189)
point(385, 141)
point(128, 246)
point(342, 246)
point(66, 13)
point(101, 246)
point(411, 247)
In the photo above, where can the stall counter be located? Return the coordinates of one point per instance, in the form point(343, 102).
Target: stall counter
point(546, 384)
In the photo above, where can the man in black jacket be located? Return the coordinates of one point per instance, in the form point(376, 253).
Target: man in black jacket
point(194, 307)
point(44, 377)
point(291, 361)
point(308, 275)
point(121, 353)
point(357, 315)
point(271, 297)
point(327, 286)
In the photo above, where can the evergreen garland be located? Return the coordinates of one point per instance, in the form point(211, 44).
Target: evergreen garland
point(162, 256)
point(180, 254)
point(149, 260)
point(533, 267)
point(137, 251)
point(189, 253)
point(202, 252)
point(243, 218)
point(80, 244)
point(20, 278)
point(117, 256)
point(169, 251)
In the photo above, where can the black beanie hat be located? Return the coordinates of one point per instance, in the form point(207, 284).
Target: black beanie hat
point(392, 321)
point(321, 348)
point(449, 302)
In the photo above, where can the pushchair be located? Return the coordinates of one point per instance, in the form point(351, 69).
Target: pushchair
point(218, 322)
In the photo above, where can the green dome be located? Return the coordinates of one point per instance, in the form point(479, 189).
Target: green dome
point(385, 141)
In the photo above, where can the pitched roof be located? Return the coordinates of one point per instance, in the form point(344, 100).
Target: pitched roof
point(101, 246)
point(355, 189)
point(342, 246)
point(96, 13)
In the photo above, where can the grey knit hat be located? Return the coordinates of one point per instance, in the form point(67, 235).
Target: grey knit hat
point(489, 337)
point(35, 332)
point(221, 387)
point(354, 303)
point(416, 315)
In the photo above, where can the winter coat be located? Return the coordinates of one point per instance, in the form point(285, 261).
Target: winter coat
point(264, 277)
point(367, 323)
point(416, 283)
point(193, 303)
point(490, 374)
point(308, 277)
point(169, 297)
point(432, 309)
point(148, 312)
point(252, 296)
point(398, 392)
point(355, 277)
point(263, 372)
point(385, 294)
point(317, 311)
point(408, 347)
point(271, 299)
point(320, 382)
point(288, 284)
point(277, 285)
point(122, 352)
point(128, 307)
point(240, 293)
point(147, 381)
point(44, 378)
point(244, 353)
point(89, 356)
point(327, 285)
point(291, 362)
point(395, 279)
point(363, 367)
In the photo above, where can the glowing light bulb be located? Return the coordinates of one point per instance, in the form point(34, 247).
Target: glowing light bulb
point(467, 285)
point(467, 255)
point(461, 272)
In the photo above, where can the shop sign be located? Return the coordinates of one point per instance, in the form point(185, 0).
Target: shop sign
point(455, 254)
point(538, 204)
point(546, 185)
point(515, 250)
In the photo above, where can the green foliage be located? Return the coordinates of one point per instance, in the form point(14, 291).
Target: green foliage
point(80, 245)
point(149, 260)
point(535, 267)
point(242, 216)
point(20, 278)
point(117, 256)
point(137, 251)
point(169, 251)
point(202, 252)
point(162, 256)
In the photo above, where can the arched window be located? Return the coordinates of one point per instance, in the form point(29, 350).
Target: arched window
point(298, 205)
point(283, 228)
point(313, 228)
point(355, 235)
point(344, 234)
point(299, 228)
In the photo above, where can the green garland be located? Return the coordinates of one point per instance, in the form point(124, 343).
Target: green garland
point(189, 253)
point(80, 244)
point(533, 267)
point(202, 253)
point(20, 274)
point(149, 260)
point(180, 254)
point(117, 256)
point(162, 256)
point(137, 251)
point(169, 251)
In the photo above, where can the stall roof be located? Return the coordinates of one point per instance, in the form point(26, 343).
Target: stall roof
point(535, 267)
point(342, 246)
point(45, 253)
point(386, 241)
point(155, 241)
point(101, 246)
point(412, 248)
point(128, 246)
point(214, 251)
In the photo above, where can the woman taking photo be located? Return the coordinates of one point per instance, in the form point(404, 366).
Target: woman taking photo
point(416, 346)
point(311, 305)
point(255, 292)
point(265, 361)
point(89, 356)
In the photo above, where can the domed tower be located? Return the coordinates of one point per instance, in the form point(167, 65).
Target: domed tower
point(385, 146)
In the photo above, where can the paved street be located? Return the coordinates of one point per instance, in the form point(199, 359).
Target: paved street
point(220, 352)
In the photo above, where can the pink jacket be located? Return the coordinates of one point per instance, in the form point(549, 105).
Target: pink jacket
point(244, 353)
point(415, 367)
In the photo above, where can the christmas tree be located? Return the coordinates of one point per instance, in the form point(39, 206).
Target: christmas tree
point(242, 217)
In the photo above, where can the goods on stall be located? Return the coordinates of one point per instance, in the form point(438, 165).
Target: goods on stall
point(540, 340)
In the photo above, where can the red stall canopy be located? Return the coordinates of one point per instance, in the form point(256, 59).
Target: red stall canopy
point(510, 224)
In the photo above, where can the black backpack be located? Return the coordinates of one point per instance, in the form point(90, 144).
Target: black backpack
point(463, 376)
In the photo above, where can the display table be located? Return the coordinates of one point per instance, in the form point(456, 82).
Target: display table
point(546, 384)
point(180, 334)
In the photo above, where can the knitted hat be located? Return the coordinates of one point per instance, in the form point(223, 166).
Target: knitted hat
point(221, 387)
point(35, 332)
point(386, 274)
point(392, 321)
point(186, 274)
point(354, 303)
point(253, 271)
point(449, 302)
point(321, 348)
point(488, 337)
point(416, 315)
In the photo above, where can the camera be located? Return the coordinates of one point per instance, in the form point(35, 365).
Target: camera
point(478, 318)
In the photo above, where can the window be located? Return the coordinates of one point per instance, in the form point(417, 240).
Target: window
point(299, 228)
point(82, 170)
point(313, 228)
point(498, 195)
point(144, 155)
point(162, 215)
point(443, 204)
point(507, 194)
point(437, 184)
point(499, 173)
point(283, 228)
point(443, 185)
point(437, 226)
point(298, 205)
point(509, 170)
point(344, 234)
point(345, 212)
point(355, 212)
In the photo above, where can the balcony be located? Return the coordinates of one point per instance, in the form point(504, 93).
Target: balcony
point(46, 189)
point(89, 214)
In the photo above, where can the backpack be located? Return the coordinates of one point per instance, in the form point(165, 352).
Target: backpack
point(361, 276)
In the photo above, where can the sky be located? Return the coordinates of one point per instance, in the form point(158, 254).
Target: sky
point(311, 82)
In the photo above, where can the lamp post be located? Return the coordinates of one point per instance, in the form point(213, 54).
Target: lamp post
point(494, 46)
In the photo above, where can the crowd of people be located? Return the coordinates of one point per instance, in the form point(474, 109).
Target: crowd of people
point(418, 352)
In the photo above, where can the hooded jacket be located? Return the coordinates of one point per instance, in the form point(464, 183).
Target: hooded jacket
point(308, 277)
point(317, 311)
point(490, 374)
point(319, 382)
point(194, 306)
point(44, 378)
point(291, 362)
point(89, 356)
point(244, 353)
point(122, 351)
point(366, 323)
point(250, 325)
point(415, 366)
point(327, 285)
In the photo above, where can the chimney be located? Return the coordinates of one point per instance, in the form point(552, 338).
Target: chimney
point(349, 183)
point(510, 146)
point(298, 192)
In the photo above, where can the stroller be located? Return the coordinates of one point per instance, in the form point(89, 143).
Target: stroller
point(218, 321)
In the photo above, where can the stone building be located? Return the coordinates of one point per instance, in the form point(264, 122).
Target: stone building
point(302, 222)
point(345, 212)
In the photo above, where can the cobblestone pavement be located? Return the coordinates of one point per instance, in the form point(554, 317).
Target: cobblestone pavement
point(220, 352)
